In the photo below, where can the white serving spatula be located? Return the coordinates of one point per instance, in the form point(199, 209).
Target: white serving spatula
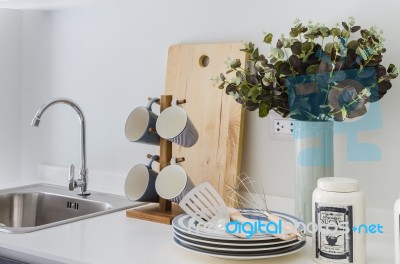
point(205, 205)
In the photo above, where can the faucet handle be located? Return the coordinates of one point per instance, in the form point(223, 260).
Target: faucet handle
point(71, 185)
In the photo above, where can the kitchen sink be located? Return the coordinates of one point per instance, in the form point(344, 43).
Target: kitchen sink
point(34, 207)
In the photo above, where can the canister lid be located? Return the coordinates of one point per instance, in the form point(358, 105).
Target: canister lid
point(338, 184)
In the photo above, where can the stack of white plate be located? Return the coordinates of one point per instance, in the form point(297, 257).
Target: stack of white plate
point(188, 235)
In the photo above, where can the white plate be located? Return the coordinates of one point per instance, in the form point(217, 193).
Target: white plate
point(245, 250)
point(243, 242)
point(241, 256)
point(188, 226)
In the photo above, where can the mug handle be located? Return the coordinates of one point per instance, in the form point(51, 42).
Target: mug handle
point(151, 102)
point(153, 158)
point(173, 161)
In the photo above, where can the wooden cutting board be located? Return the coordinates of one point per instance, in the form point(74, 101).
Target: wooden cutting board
point(216, 157)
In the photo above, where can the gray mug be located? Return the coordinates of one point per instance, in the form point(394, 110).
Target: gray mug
point(139, 123)
point(174, 125)
point(140, 183)
point(173, 183)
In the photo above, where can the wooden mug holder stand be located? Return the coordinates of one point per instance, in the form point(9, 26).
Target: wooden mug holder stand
point(163, 211)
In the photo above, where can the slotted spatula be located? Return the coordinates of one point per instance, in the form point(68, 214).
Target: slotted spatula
point(205, 205)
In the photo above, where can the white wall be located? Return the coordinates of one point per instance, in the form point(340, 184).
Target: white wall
point(36, 88)
point(10, 94)
point(111, 58)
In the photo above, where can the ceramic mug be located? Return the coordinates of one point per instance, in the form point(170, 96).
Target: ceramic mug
point(139, 122)
point(174, 125)
point(173, 183)
point(140, 183)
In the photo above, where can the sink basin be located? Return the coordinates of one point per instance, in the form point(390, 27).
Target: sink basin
point(34, 207)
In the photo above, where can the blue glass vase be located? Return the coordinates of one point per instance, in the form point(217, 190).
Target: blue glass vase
point(314, 160)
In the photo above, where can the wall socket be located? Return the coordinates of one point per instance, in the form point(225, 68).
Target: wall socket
point(283, 126)
point(280, 128)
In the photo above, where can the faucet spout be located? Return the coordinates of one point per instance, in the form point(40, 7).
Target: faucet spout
point(83, 181)
point(35, 122)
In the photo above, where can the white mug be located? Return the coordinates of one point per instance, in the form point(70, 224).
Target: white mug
point(140, 120)
point(140, 183)
point(173, 183)
point(174, 125)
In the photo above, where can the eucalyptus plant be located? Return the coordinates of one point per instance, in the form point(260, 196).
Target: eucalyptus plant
point(316, 73)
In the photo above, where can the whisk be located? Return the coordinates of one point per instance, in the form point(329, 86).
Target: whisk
point(257, 201)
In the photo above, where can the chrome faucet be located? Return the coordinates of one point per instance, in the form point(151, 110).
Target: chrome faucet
point(83, 181)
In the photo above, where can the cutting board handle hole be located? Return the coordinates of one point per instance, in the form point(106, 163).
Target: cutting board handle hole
point(204, 61)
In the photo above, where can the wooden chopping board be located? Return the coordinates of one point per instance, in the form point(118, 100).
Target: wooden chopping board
point(216, 157)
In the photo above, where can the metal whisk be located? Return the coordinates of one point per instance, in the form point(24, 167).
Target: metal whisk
point(247, 193)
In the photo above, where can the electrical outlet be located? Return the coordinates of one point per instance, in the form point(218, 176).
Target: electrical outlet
point(280, 128)
point(283, 126)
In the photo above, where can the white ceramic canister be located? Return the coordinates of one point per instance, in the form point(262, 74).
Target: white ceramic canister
point(397, 231)
point(338, 207)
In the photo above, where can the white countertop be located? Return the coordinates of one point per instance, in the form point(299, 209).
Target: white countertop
point(114, 238)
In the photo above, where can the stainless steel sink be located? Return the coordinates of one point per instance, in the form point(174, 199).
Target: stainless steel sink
point(34, 207)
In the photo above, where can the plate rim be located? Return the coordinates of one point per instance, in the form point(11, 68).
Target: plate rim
point(244, 250)
point(221, 256)
point(230, 237)
point(242, 243)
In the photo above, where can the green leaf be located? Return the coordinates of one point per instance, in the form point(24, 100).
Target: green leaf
point(391, 67)
point(312, 69)
point(384, 86)
point(328, 47)
point(355, 29)
point(236, 63)
point(324, 32)
point(309, 35)
point(296, 48)
point(307, 46)
point(248, 47)
point(266, 81)
point(255, 55)
point(293, 33)
point(277, 64)
point(307, 56)
point(231, 89)
point(374, 39)
point(335, 32)
point(251, 106)
point(251, 45)
point(286, 42)
point(345, 33)
point(353, 44)
point(253, 93)
point(279, 44)
point(240, 75)
point(268, 38)
point(244, 91)
point(277, 53)
point(365, 33)
point(393, 71)
point(294, 61)
point(263, 109)
point(284, 68)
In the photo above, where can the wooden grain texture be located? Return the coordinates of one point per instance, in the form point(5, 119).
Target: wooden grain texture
point(165, 151)
point(216, 157)
point(152, 213)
